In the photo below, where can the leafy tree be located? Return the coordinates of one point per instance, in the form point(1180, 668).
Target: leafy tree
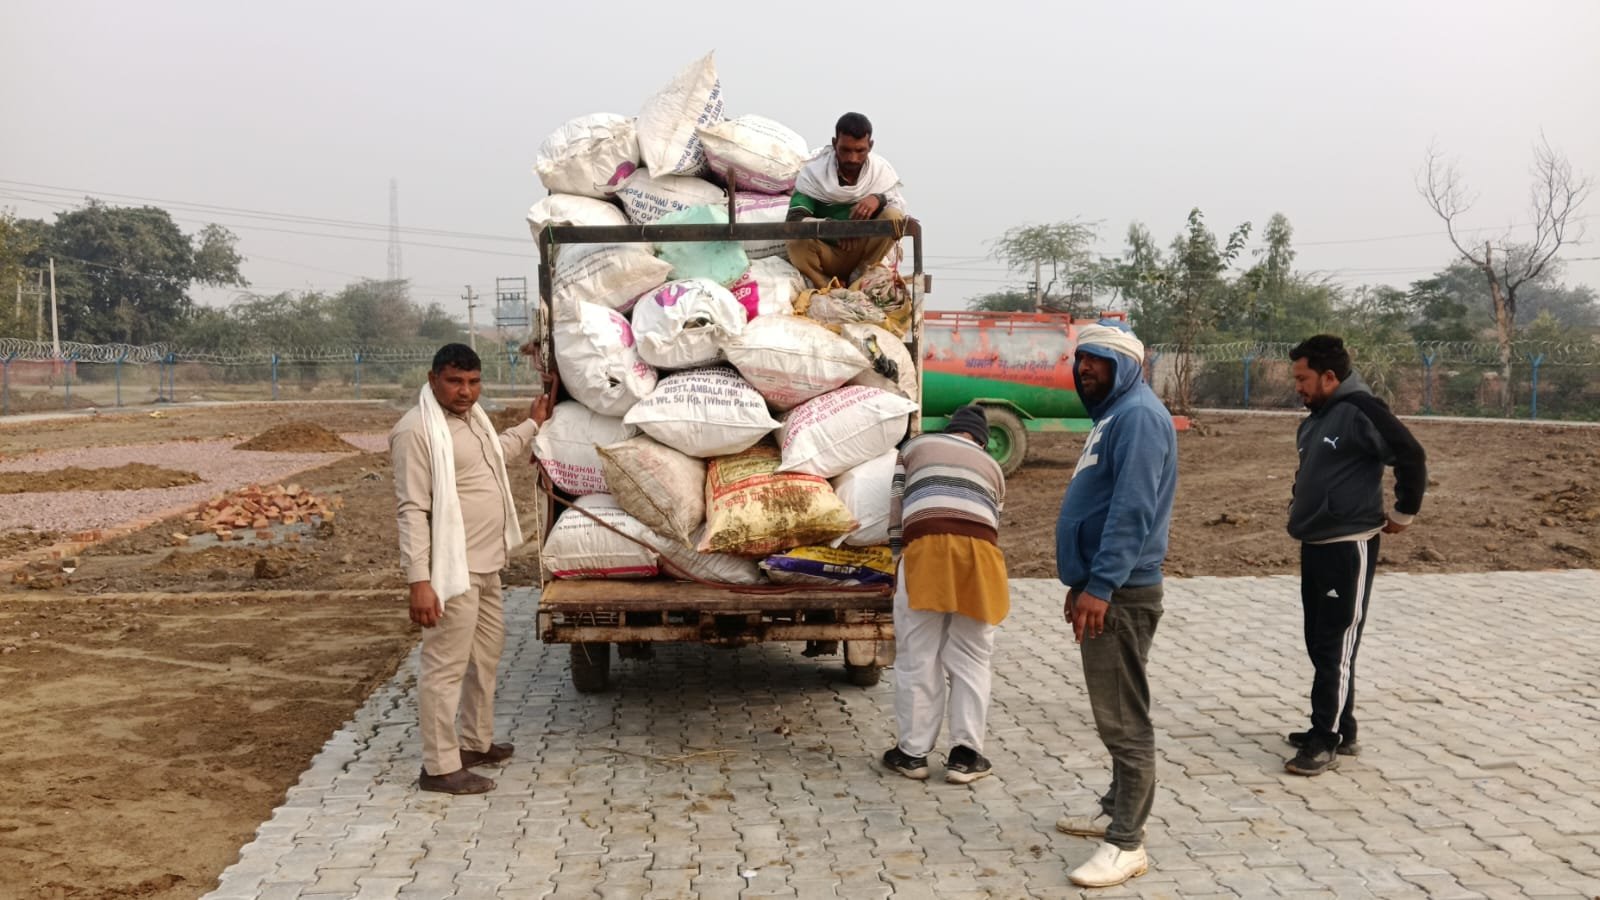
point(1058, 259)
point(1557, 195)
point(437, 326)
point(1198, 293)
point(1268, 285)
point(1002, 301)
point(16, 242)
point(370, 313)
point(124, 273)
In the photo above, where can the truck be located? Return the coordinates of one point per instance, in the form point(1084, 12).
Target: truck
point(596, 616)
point(1016, 365)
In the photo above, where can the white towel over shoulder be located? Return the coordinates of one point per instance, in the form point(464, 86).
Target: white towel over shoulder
point(448, 550)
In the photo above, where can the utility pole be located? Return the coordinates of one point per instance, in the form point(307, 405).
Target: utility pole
point(55, 327)
point(472, 322)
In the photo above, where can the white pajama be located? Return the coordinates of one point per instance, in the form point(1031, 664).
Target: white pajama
point(940, 657)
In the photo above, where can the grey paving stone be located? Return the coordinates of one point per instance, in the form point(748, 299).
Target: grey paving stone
point(1469, 786)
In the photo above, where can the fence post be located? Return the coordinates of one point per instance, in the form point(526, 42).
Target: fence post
point(172, 377)
point(1535, 360)
point(1248, 359)
point(1427, 383)
point(5, 384)
point(275, 359)
point(358, 374)
point(66, 373)
point(120, 357)
point(511, 359)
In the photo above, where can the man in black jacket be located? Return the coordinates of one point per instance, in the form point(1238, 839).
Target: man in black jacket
point(1337, 514)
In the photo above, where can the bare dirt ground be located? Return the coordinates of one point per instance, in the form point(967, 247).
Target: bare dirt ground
point(150, 736)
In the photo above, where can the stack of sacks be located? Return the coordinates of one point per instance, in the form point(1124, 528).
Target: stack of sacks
point(708, 432)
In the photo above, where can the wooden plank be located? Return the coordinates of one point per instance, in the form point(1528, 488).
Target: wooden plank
point(578, 595)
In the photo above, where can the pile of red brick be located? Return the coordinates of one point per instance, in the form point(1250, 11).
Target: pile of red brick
point(259, 507)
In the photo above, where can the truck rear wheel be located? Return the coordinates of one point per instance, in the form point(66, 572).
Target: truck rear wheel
point(863, 676)
point(1008, 440)
point(591, 667)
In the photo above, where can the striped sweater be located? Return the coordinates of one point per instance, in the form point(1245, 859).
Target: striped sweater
point(944, 484)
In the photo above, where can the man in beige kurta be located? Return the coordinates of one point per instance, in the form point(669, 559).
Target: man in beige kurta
point(463, 636)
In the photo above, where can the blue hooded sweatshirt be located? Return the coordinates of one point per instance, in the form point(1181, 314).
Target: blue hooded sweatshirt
point(1112, 531)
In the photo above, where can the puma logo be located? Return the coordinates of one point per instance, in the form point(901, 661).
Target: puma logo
point(1331, 442)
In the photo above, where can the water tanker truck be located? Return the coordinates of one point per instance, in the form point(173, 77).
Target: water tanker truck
point(1017, 366)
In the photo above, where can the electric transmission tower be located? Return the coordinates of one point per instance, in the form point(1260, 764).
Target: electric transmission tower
point(394, 229)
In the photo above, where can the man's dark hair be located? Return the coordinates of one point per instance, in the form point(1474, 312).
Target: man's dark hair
point(854, 125)
point(459, 355)
point(1324, 353)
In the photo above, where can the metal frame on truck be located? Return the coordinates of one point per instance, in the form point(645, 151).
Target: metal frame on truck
point(591, 615)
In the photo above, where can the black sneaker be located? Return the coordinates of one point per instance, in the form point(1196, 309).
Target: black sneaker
point(966, 765)
point(1313, 761)
point(1302, 739)
point(913, 767)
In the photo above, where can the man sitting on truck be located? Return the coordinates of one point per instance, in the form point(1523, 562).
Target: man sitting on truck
point(844, 182)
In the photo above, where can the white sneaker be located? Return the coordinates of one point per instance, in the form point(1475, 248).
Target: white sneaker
point(1085, 826)
point(1110, 865)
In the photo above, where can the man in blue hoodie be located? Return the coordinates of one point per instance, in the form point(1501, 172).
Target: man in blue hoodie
point(1111, 540)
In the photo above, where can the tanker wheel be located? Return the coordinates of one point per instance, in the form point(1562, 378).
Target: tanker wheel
point(1008, 440)
point(591, 667)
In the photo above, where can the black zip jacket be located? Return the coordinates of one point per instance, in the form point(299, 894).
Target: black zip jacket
point(1344, 446)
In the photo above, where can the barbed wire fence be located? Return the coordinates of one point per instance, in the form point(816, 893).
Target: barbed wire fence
point(37, 377)
point(1552, 380)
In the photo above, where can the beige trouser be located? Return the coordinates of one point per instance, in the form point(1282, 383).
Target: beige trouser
point(821, 262)
point(459, 659)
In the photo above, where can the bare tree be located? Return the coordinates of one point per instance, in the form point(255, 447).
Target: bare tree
point(1555, 196)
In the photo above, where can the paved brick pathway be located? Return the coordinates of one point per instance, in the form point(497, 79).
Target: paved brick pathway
point(751, 773)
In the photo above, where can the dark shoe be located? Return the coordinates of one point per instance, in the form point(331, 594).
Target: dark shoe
point(966, 765)
point(1313, 761)
point(913, 767)
point(497, 753)
point(1301, 739)
point(458, 782)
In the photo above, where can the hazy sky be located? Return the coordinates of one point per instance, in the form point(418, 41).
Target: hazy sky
point(996, 114)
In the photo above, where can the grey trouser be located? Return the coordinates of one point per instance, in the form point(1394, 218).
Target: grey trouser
point(1119, 694)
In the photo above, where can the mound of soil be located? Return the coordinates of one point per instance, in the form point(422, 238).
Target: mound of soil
point(131, 477)
point(15, 542)
point(187, 562)
point(298, 437)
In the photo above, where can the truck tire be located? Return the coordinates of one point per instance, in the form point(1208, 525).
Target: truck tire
point(591, 667)
point(1008, 440)
point(863, 676)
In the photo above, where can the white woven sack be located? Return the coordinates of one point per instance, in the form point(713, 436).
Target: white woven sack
point(683, 324)
point(687, 563)
point(864, 490)
point(598, 362)
point(587, 154)
point(663, 488)
point(610, 275)
point(791, 359)
point(866, 337)
point(647, 197)
point(704, 412)
point(842, 429)
point(570, 209)
point(579, 547)
point(668, 120)
point(565, 447)
point(769, 287)
point(754, 153)
point(762, 209)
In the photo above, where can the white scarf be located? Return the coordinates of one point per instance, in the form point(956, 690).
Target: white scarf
point(448, 548)
point(820, 179)
point(1112, 338)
